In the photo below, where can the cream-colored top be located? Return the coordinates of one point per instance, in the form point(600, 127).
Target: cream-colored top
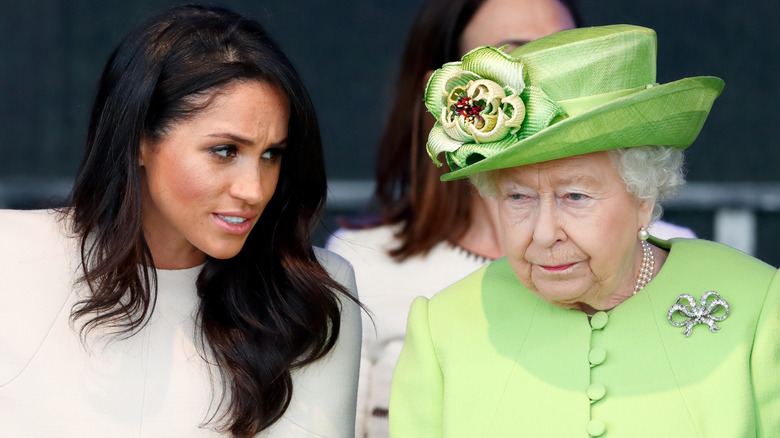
point(387, 290)
point(153, 384)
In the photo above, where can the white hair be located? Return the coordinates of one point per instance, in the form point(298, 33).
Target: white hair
point(650, 173)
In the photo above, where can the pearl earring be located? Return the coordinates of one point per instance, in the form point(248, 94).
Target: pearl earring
point(643, 234)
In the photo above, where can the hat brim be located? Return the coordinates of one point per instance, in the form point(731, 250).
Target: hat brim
point(671, 115)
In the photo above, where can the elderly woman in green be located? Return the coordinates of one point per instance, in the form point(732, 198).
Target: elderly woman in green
point(588, 326)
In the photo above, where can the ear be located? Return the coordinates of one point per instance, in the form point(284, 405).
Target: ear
point(645, 212)
point(143, 151)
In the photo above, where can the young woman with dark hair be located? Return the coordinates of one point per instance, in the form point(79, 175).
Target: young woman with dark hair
point(179, 294)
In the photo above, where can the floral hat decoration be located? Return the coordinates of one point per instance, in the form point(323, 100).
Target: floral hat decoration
point(573, 92)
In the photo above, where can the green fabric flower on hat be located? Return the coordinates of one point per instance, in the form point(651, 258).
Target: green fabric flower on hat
point(482, 105)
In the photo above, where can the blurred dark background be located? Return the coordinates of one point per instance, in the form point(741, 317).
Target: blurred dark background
point(53, 52)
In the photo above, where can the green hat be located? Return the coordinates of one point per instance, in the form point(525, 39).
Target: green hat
point(570, 93)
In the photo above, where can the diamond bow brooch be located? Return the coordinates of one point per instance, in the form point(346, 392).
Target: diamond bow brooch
point(704, 313)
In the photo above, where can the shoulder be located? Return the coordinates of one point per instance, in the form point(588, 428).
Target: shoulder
point(337, 267)
point(700, 254)
point(365, 242)
point(26, 217)
point(29, 219)
point(368, 250)
point(32, 236)
point(37, 266)
point(695, 267)
point(26, 231)
point(328, 386)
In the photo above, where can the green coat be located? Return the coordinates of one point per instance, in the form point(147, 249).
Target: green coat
point(488, 358)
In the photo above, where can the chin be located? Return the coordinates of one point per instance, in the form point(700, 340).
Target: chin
point(561, 294)
point(224, 252)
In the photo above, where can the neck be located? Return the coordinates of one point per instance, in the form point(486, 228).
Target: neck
point(172, 257)
point(483, 234)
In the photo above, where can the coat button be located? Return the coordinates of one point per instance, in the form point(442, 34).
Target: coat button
point(596, 428)
point(596, 391)
point(598, 320)
point(597, 356)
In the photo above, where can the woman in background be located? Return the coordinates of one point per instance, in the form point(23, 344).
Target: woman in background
point(179, 294)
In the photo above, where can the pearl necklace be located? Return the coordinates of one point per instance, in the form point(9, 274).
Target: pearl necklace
point(648, 265)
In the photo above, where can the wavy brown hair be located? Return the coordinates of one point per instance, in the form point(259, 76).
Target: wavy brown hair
point(408, 189)
point(270, 308)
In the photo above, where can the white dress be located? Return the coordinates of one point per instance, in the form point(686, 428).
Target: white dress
point(387, 288)
point(153, 384)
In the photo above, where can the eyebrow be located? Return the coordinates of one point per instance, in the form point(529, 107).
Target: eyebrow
point(232, 137)
point(586, 179)
point(574, 179)
point(244, 141)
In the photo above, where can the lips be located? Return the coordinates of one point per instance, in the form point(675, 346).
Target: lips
point(236, 223)
point(557, 268)
point(232, 219)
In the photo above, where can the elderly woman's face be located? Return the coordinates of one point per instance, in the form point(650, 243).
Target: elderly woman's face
point(208, 180)
point(569, 228)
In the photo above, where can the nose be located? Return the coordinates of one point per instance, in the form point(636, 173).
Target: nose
point(248, 185)
point(548, 228)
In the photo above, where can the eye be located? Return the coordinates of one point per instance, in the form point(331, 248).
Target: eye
point(576, 196)
point(517, 196)
point(273, 154)
point(224, 151)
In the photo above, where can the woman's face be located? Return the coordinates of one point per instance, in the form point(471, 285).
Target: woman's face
point(569, 228)
point(514, 23)
point(208, 179)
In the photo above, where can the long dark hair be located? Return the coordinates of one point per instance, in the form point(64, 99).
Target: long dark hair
point(270, 308)
point(408, 189)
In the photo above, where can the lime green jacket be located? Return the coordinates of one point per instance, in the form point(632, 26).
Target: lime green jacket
point(488, 358)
